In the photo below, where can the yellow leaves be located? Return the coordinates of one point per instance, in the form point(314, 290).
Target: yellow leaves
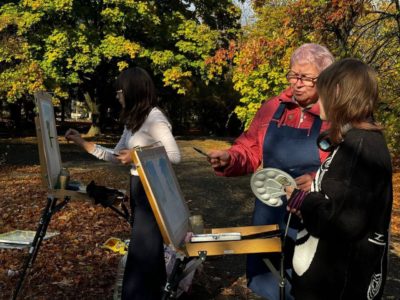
point(118, 11)
point(122, 65)
point(196, 38)
point(8, 15)
point(142, 7)
point(26, 78)
point(131, 48)
point(175, 78)
point(117, 46)
point(56, 45)
point(33, 4)
point(13, 48)
point(53, 55)
point(112, 14)
point(44, 5)
point(162, 58)
point(64, 5)
point(262, 58)
point(60, 93)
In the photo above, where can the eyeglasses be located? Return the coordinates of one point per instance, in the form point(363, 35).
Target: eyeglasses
point(294, 77)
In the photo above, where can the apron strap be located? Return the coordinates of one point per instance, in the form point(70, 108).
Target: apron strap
point(316, 126)
point(279, 112)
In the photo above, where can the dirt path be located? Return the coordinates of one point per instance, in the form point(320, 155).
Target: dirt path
point(222, 202)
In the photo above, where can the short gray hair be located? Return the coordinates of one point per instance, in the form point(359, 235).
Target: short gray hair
point(314, 54)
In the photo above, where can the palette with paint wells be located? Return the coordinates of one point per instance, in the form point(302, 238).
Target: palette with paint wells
point(268, 185)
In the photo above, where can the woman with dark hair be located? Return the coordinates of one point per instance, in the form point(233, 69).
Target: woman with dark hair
point(145, 125)
point(341, 251)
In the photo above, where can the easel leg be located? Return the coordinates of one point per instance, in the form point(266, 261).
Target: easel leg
point(282, 278)
point(124, 214)
point(179, 271)
point(44, 222)
point(279, 275)
point(170, 286)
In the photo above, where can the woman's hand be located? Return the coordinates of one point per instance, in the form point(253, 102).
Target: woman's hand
point(304, 182)
point(219, 158)
point(294, 211)
point(74, 136)
point(289, 190)
point(125, 156)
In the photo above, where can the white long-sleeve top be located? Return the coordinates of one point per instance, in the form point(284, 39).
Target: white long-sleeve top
point(155, 129)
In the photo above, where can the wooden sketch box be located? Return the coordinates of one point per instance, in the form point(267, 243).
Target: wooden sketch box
point(172, 214)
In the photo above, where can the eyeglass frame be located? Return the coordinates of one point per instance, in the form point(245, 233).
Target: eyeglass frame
point(301, 77)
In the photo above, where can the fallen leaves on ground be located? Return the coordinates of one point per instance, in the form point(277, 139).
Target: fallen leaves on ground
point(71, 265)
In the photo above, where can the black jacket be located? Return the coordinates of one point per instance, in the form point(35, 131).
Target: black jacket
point(341, 253)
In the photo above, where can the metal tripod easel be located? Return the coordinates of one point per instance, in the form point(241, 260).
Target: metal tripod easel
point(180, 271)
point(281, 274)
point(51, 208)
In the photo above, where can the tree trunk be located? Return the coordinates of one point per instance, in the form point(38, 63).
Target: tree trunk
point(93, 107)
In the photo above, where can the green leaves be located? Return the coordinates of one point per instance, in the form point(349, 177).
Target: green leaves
point(117, 46)
point(72, 40)
point(177, 79)
point(364, 29)
point(25, 78)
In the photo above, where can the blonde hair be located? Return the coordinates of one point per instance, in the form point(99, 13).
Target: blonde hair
point(314, 54)
point(348, 90)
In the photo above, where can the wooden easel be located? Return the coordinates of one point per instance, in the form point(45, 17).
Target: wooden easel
point(50, 166)
point(172, 215)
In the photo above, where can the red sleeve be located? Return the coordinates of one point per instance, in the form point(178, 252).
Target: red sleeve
point(246, 152)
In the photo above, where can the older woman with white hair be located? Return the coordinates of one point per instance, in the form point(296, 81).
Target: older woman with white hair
point(282, 135)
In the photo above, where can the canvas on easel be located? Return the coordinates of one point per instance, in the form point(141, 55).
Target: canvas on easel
point(170, 207)
point(172, 214)
point(50, 166)
point(49, 149)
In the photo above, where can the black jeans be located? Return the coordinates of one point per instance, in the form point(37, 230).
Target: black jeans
point(145, 273)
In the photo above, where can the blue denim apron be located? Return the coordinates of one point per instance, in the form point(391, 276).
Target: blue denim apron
point(295, 151)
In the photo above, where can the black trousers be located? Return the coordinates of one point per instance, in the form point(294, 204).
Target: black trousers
point(145, 273)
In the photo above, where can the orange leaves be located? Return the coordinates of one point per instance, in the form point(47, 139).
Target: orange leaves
point(257, 51)
point(396, 205)
point(223, 55)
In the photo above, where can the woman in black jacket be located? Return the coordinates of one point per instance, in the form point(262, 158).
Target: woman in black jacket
point(341, 251)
